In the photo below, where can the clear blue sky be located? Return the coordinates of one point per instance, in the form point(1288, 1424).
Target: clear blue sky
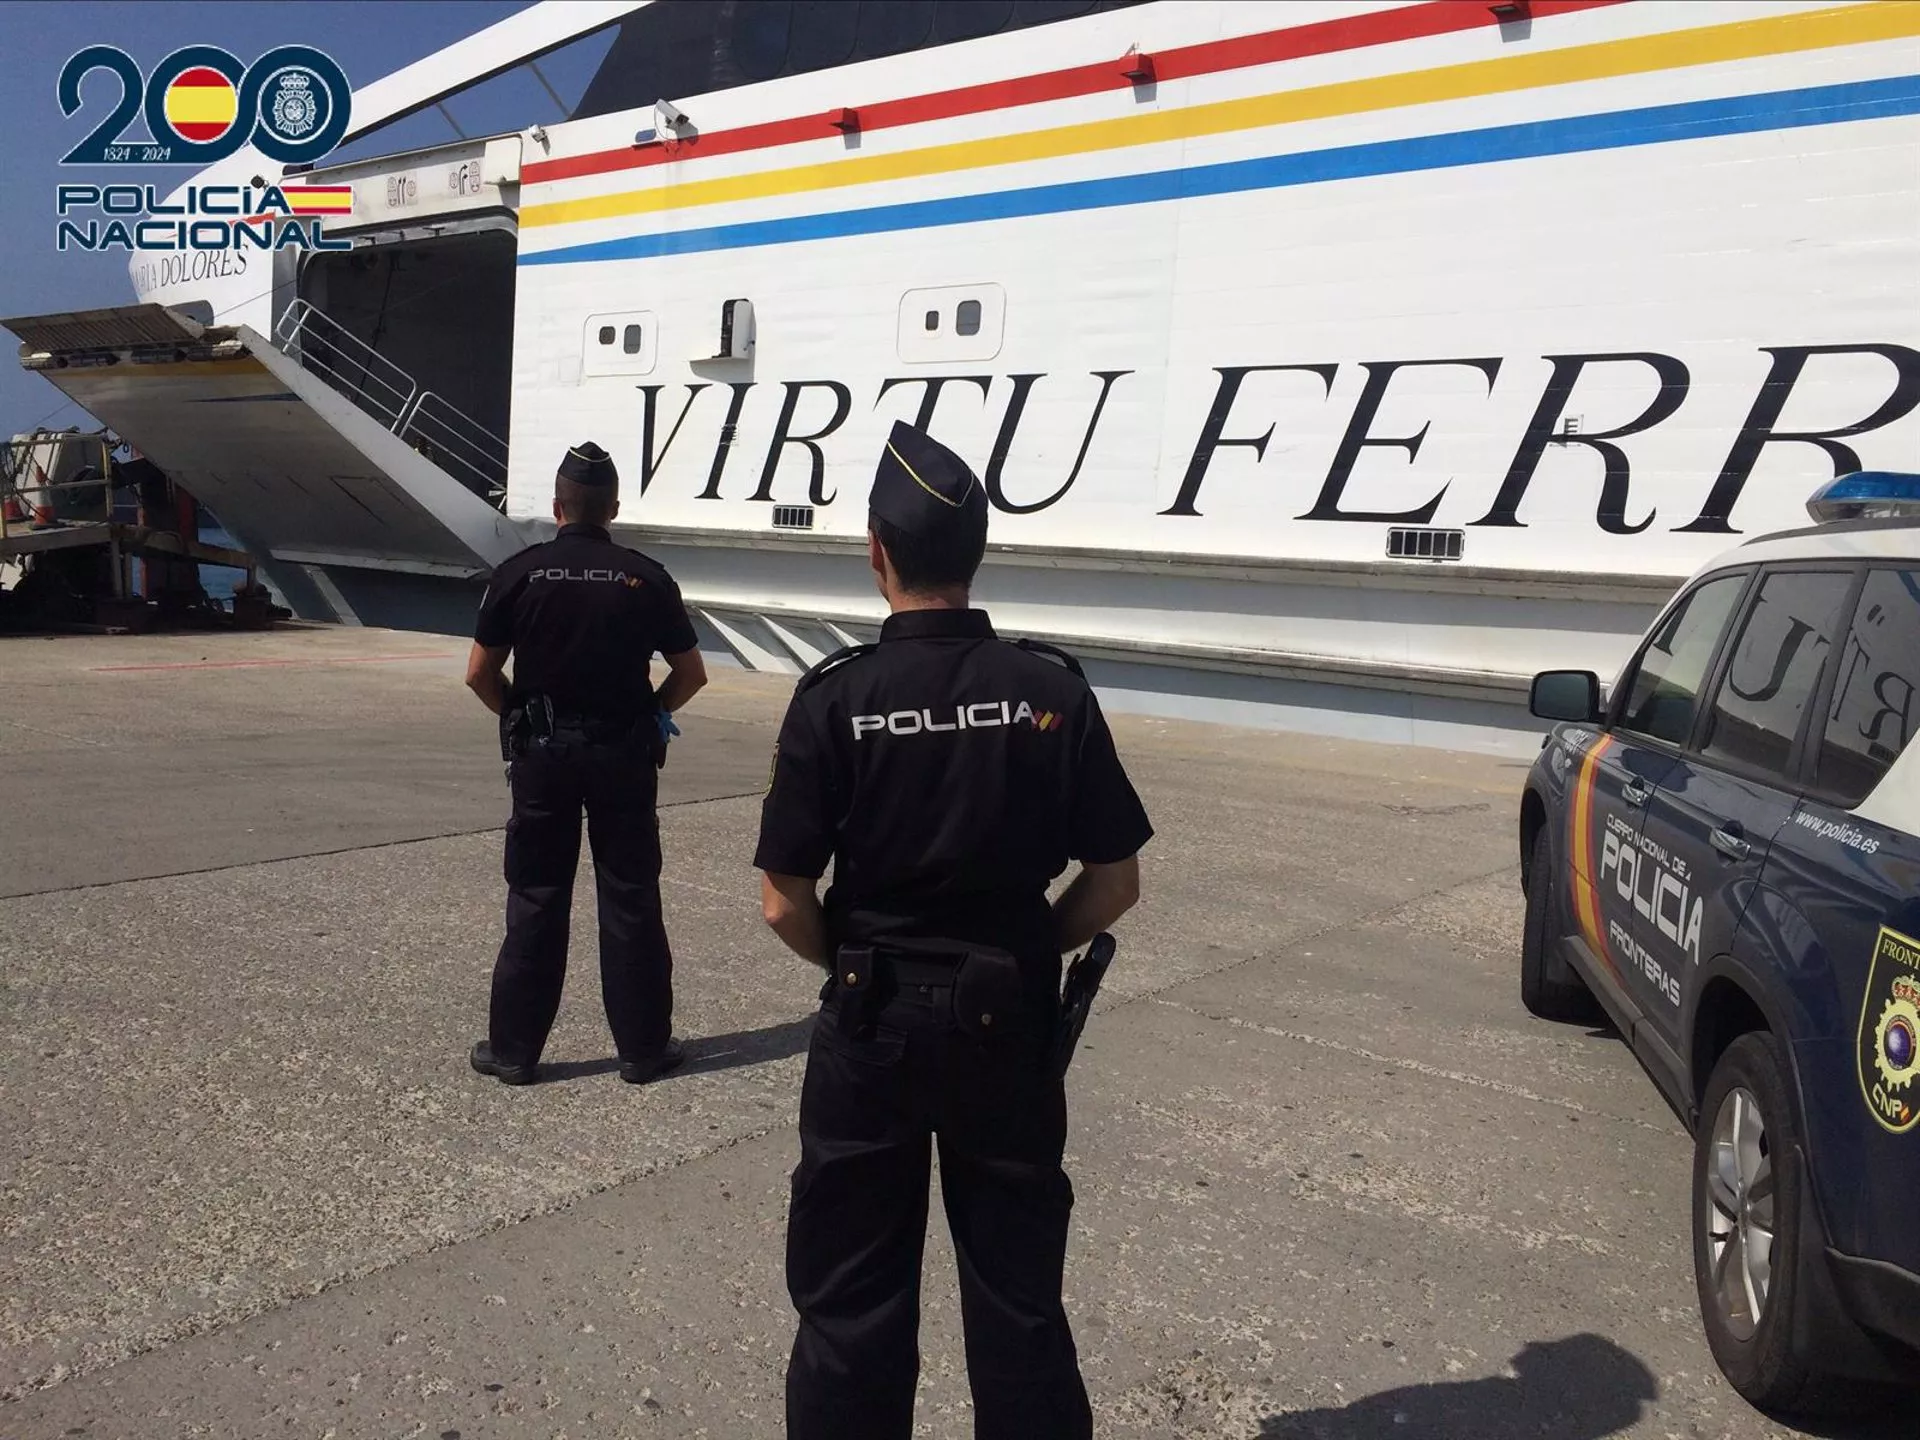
point(370, 38)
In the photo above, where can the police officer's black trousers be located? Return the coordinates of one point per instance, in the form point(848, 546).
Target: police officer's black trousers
point(616, 785)
point(869, 1109)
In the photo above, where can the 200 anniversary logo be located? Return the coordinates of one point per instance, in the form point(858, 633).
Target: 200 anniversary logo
point(201, 104)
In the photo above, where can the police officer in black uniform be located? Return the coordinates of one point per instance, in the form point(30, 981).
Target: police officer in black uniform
point(583, 726)
point(949, 775)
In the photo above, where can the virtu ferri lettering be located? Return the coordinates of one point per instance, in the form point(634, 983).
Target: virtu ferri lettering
point(1665, 379)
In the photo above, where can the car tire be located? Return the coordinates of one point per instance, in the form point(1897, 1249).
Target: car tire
point(1549, 986)
point(1748, 1189)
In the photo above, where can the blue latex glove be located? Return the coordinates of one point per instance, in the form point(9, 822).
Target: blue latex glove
point(667, 727)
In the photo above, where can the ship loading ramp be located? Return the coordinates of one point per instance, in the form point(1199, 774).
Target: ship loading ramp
point(361, 497)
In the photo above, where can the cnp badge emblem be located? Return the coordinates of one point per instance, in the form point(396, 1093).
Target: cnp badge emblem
point(1889, 1048)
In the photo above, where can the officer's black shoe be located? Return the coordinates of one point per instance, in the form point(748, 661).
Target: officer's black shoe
point(483, 1061)
point(638, 1072)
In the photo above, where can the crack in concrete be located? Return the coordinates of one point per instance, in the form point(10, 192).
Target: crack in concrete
point(1376, 917)
point(1419, 1067)
point(193, 1326)
point(6, 895)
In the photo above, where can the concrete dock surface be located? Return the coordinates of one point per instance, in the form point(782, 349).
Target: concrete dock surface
point(1332, 1181)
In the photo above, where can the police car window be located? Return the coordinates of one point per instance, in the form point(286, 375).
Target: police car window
point(1667, 679)
point(1774, 667)
point(1873, 711)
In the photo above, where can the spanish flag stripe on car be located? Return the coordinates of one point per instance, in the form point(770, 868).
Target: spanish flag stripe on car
point(1586, 894)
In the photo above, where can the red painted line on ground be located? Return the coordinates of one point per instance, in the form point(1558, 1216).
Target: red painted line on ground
point(258, 664)
point(1324, 37)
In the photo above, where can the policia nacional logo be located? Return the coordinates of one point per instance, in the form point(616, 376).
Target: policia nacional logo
point(1889, 1050)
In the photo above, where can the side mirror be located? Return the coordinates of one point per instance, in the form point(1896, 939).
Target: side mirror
point(1565, 695)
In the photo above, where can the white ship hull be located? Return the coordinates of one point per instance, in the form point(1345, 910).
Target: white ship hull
point(1337, 367)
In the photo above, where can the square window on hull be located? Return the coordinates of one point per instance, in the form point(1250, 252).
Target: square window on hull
point(952, 324)
point(622, 344)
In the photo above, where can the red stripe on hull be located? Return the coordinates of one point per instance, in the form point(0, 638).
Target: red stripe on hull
point(1325, 37)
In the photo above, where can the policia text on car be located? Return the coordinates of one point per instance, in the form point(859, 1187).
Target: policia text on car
point(949, 776)
point(583, 727)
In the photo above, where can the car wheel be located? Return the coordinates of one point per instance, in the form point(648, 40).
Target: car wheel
point(1549, 986)
point(1747, 1193)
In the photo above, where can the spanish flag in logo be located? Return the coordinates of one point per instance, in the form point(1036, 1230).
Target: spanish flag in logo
point(201, 105)
point(319, 199)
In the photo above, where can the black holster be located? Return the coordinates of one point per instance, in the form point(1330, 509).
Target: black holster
point(525, 721)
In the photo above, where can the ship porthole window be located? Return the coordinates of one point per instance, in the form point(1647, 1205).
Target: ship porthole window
point(623, 343)
point(947, 324)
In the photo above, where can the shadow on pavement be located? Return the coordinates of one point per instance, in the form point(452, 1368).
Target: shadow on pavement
point(1580, 1388)
point(747, 1047)
point(706, 1054)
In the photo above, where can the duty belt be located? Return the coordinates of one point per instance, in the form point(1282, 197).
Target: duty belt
point(924, 974)
point(536, 720)
point(982, 983)
point(595, 727)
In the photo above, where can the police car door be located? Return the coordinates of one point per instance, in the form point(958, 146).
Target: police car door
point(1838, 922)
point(1717, 810)
point(1652, 714)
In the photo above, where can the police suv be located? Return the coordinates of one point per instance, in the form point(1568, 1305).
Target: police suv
point(1724, 852)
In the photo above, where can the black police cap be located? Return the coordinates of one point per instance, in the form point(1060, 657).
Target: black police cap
point(587, 464)
point(922, 487)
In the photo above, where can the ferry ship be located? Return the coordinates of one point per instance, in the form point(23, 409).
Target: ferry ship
point(1330, 364)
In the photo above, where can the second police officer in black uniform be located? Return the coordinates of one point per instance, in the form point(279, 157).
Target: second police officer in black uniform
point(583, 728)
point(949, 776)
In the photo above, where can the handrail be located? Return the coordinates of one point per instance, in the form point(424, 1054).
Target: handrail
point(458, 437)
point(447, 436)
point(332, 351)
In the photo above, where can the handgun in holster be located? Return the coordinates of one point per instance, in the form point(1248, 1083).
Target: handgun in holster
point(525, 720)
point(1076, 998)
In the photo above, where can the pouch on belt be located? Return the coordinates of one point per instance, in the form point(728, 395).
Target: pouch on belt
point(853, 990)
point(988, 997)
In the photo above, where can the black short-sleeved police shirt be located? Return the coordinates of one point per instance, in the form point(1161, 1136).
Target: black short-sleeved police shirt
point(584, 617)
point(950, 776)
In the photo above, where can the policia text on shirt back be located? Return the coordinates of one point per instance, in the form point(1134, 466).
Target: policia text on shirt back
point(948, 776)
point(584, 730)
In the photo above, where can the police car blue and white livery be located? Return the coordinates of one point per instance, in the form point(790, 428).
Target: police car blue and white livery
point(1724, 853)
